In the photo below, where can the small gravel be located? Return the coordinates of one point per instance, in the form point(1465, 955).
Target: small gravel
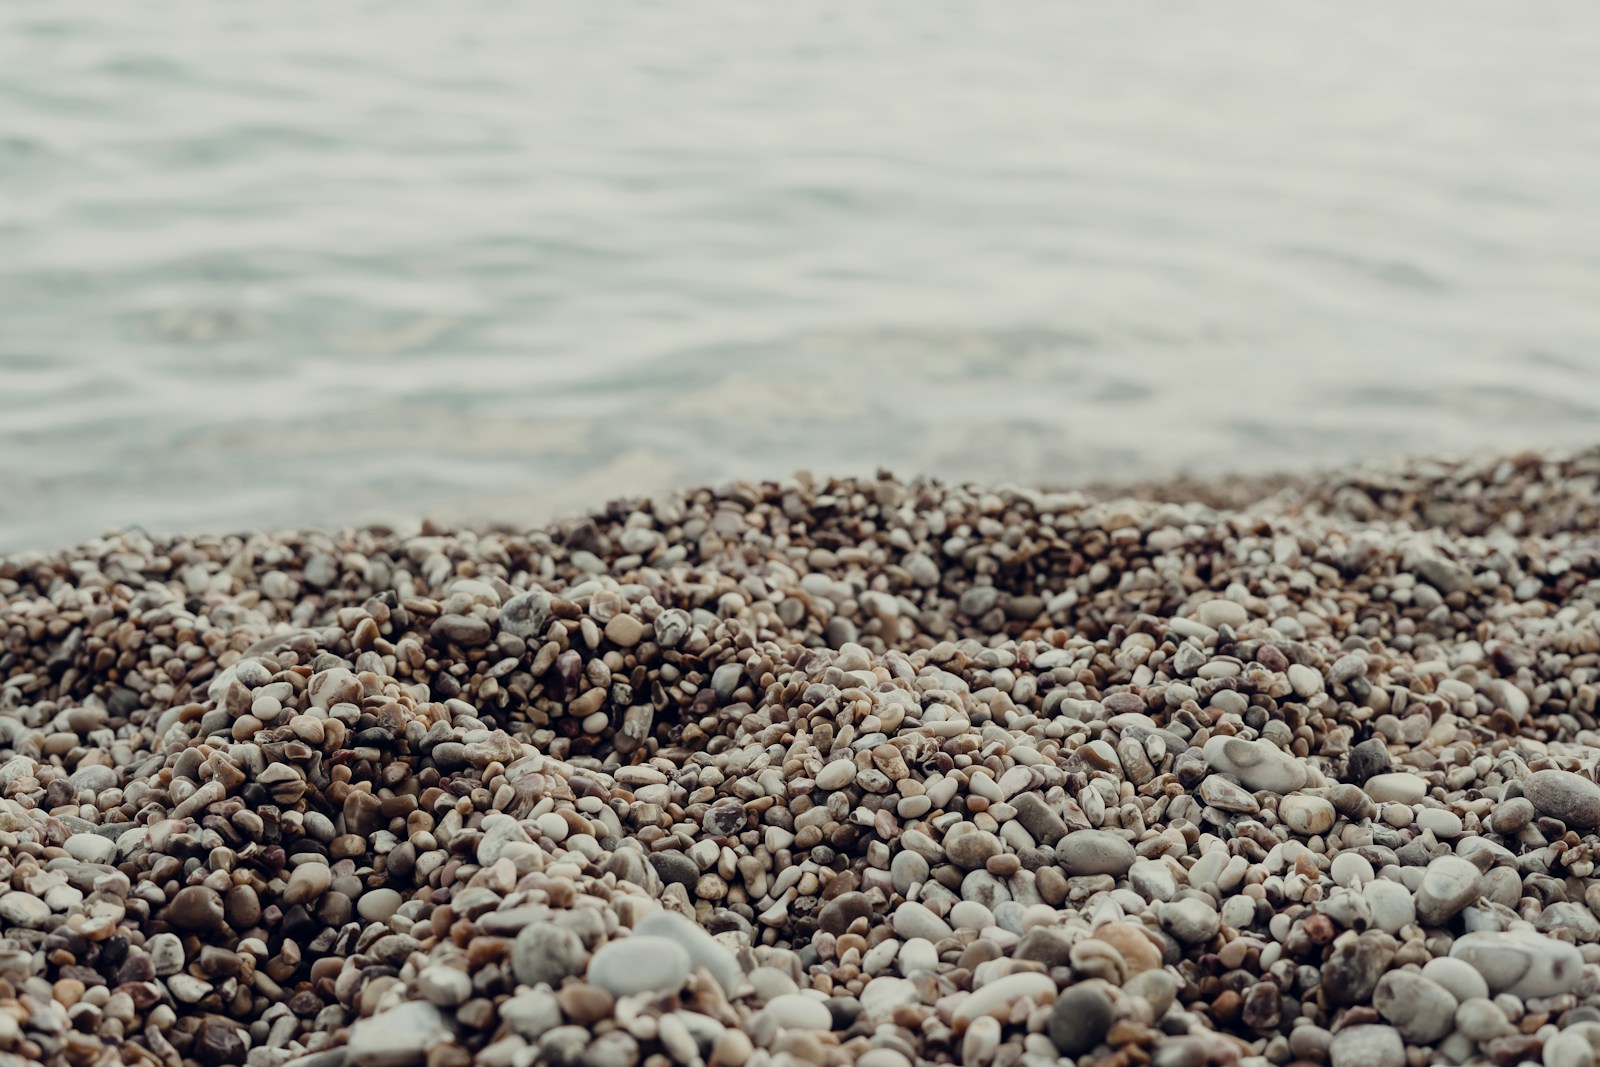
point(813, 772)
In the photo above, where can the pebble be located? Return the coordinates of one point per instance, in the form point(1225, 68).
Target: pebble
point(1080, 1018)
point(1458, 977)
point(702, 949)
point(23, 909)
point(1396, 787)
point(399, 1037)
point(913, 919)
point(544, 952)
point(1218, 613)
point(1306, 815)
point(91, 848)
point(1522, 964)
point(798, 1011)
point(1095, 852)
point(1422, 1010)
point(1450, 884)
point(1258, 765)
point(377, 905)
point(1569, 1049)
point(639, 964)
point(1002, 993)
point(1562, 795)
point(836, 775)
point(1191, 920)
point(1367, 1046)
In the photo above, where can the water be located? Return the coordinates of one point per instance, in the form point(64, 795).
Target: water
point(301, 263)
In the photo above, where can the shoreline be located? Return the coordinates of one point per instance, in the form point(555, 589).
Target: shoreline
point(1287, 769)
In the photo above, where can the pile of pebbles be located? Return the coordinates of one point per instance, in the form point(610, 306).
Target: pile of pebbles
point(820, 773)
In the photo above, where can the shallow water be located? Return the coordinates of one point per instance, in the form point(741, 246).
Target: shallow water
point(292, 263)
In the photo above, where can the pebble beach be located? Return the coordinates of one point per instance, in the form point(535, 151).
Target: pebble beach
point(813, 772)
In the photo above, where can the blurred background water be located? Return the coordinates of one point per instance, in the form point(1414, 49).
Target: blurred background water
point(292, 263)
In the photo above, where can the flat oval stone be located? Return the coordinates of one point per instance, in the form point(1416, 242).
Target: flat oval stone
point(639, 963)
point(1396, 787)
point(836, 775)
point(1094, 852)
point(796, 1011)
point(1573, 799)
point(1520, 963)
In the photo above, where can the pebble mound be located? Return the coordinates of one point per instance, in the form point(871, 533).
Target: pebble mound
point(820, 773)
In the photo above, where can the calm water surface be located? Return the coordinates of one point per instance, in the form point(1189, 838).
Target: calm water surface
point(301, 262)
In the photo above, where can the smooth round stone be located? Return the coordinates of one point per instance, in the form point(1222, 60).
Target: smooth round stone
point(1442, 823)
point(308, 882)
point(545, 952)
point(1306, 816)
point(837, 915)
point(638, 964)
point(1510, 816)
point(22, 909)
point(703, 949)
point(91, 848)
point(378, 905)
point(1191, 920)
point(1481, 1020)
point(970, 915)
point(1520, 963)
point(1139, 953)
point(1367, 1046)
point(1305, 681)
point(1259, 765)
point(1094, 852)
point(1450, 884)
point(1568, 1049)
point(1080, 1018)
point(906, 870)
point(1421, 1009)
point(1351, 870)
point(881, 996)
point(913, 919)
point(972, 850)
point(552, 826)
point(1396, 787)
point(769, 982)
point(625, 630)
point(95, 777)
point(1458, 977)
point(1001, 993)
point(1573, 799)
point(1391, 905)
point(1219, 612)
point(796, 1011)
point(1152, 880)
point(197, 908)
point(836, 775)
point(917, 954)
